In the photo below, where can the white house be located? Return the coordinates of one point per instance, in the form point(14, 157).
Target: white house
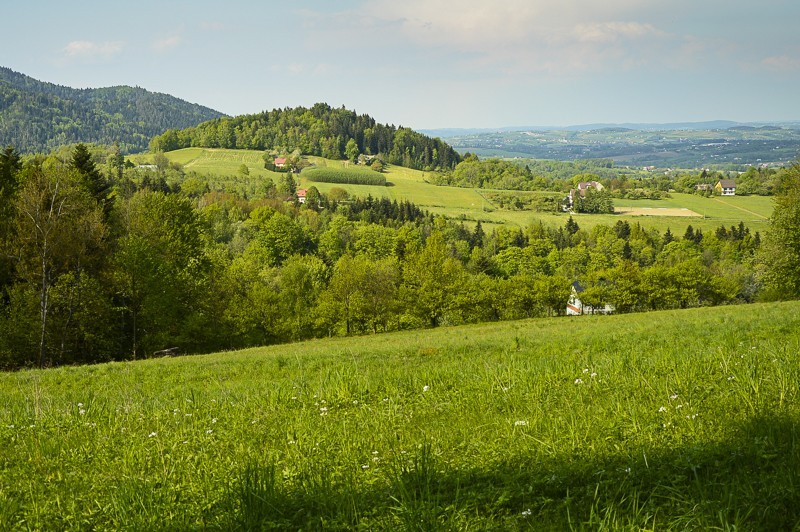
point(726, 187)
point(576, 307)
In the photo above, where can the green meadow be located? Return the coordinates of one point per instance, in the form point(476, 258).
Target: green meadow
point(472, 205)
point(666, 420)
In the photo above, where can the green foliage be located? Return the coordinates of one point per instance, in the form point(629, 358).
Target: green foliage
point(343, 176)
point(38, 116)
point(594, 202)
point(780, 256)
point(321, 130)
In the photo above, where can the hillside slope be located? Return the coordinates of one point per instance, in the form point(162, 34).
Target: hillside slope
point(36, 116)
point(321, 130)
point(666, 420)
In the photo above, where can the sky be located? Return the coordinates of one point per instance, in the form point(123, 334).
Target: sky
point(429, 63)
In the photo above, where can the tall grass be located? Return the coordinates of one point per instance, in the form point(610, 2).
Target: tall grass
point(667, 420)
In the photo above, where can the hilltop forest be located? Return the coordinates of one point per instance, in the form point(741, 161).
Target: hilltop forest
point(321, 130)
point(105, 262)
point(37, 117)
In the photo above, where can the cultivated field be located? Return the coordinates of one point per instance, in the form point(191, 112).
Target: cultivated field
point(472, 205)
point(667, 420)
point(655, 211)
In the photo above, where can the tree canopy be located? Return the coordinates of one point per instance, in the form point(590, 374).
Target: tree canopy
point(321, 130)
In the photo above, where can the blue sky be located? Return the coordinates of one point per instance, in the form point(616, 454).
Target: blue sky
point(429, 63)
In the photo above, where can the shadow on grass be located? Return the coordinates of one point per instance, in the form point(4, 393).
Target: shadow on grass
point(751, 482)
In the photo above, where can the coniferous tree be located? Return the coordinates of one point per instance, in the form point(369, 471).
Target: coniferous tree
point(93, 180)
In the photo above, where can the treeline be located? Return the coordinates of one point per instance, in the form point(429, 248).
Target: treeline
point(38, 117)
point(546, 175)
point(321, 130)
point(101, 264)
point(493, 173)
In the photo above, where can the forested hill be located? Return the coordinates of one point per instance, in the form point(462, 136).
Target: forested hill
point(36, 116)
point(321, 130)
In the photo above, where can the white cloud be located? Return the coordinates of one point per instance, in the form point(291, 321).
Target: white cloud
point(213, 26)
point(167, 43)
point(782, 63)
point(92, 50)
point(612, 32)
point(504, 36)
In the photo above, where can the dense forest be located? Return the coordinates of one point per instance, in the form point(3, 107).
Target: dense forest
point(321, 130)
point(37, 116)
point(105, 262)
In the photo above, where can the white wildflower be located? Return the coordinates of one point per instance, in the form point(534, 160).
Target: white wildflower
point(662, 409)
point(426, 388)
point(578, 381)
point(526, 513)
point(209, 431)
point(152, 435)
point(673, 396)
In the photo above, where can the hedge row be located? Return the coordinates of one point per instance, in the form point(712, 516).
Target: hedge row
point(344, 176)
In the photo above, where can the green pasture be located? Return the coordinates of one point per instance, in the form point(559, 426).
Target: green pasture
point(216, 162)
point(667, 420)
point(471, 205)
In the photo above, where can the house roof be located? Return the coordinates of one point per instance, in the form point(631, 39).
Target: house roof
point(280, 160)
point(727, 183)
point(577, 286)
point(301, 192)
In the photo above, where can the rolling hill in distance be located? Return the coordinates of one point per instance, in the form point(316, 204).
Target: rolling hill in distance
point(36, 116)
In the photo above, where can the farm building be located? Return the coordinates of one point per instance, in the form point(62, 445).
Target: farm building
point(581, 190)
point(576, 307)
point(726, 187)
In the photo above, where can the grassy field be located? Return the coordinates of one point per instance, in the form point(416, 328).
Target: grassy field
point(472, 205)
point(669, 420)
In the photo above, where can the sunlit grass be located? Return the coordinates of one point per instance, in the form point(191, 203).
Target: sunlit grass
point(671, 420)
point(470, 205)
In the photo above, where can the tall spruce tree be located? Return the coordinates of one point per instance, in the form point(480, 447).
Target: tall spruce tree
point(93, 180)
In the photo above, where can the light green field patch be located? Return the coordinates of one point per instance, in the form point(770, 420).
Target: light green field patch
point(470, 205)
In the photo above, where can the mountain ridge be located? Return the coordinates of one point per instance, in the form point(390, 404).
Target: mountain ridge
point(39, 116)
point(638, 126)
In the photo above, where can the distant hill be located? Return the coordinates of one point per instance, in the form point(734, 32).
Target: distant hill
point(703, 145)
point(322, 130)
point(673, 126)
point(36, 116)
